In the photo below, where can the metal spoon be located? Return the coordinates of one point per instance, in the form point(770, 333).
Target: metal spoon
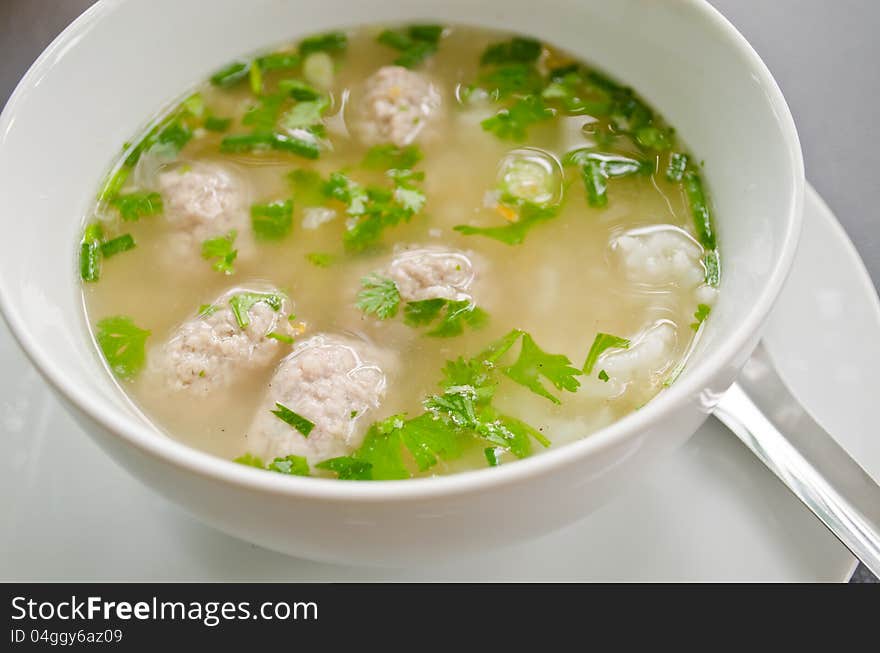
point(764, 414)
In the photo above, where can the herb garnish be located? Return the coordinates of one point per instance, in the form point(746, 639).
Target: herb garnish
point(295, 420)
point(272, 221)
point(379, 296)
point(122, 343)
point(602, 342)
point(415, 43)
point(221, 248)
point(243, 302)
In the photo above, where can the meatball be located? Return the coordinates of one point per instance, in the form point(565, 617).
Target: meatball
point(332, 381)
point(398, 105)
point(432, 274)
point(661, 257)
point(207, 352)
point(204, 200)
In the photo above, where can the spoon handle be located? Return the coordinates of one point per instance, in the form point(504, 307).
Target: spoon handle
point(764, 414)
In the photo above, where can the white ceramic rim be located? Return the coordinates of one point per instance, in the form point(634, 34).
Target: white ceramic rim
point(152, 443)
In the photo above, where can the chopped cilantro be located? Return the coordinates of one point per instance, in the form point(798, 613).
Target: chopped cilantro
point(348, 468)
point(305, 114)
point(298, 90)
point(117, 245)
point(602, 342)
point(530, 215)
point(207, 309)
point(534, 363)
point(513, 79)
point(428, 439)
point(329, 42)
point(272, 221)
point(278, 61)
point(391, 157)
point(415, 44)
point(595, 183)
point(221, 249)
point(320, 259)
point(693, 188)
point(603, 376)
point(263, 116)
point(250, 460)
point(493, 455)
point(513, 122)
point(290, 465)
point(293, 419)
point(381, 450)
point(378, 296)
point(700, 315)
point(259, 141)
point(457, 315)
point(516, 50)
point(215, 124)
point(122, 343)
point(307, 187)
point(134, 206)
point(243, 302)
point(230, 75)
point(677, 165)
point(598, 168)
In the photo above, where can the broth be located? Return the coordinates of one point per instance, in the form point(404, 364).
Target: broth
point(635, 268)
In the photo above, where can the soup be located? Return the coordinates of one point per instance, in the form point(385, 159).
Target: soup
point(399, 252)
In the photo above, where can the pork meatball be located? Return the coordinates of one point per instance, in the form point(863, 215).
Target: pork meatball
point(432, 274)
point(398, 107)
point(204, 200)
point(332, 381)
point(209, 351)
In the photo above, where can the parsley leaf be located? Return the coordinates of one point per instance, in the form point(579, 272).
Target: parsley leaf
point(700, 315)
point(290, 465)
point(391, 157)
point(293, 419)
point(122, 343)
point(221, 248)
point(530, 215)
point(243, 302)
point(348, 468)
point(134, 206)
point(272, 221)
point(534, 363)
point(379, 296)
point(602, 342)
point(513, 122)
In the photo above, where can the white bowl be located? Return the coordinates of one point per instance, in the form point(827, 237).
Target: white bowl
point(123, 60)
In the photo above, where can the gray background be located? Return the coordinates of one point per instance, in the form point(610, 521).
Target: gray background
point(825, 54)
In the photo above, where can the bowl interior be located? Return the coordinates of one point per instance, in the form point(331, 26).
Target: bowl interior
point(93, 88)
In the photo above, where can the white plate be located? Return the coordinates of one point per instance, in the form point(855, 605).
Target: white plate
point(709, 512)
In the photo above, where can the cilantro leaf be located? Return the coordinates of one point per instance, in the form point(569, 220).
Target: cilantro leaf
point(290, 465)
point(533, 363)
point(423, 312)
point(215, 124)
point(603, 376)
point(134, 206)
point(428, 439)
point(221, 248)
point(348, 468)
point(280, 337)
point(598, 168)
point(516, 50)
point(530, 215)
point(307, 187)
point(260, 141)
point(298, 90)
point(391, 157)
point(415, 44)
point(293, 419)
point(379, 296)
point(278, 61)
point(700, 315)
point(272, 221)
point(493, 456)
point(305, 114)
point(512, 79)
point(411, 199)
point(122, 343)
point(243, 302)
point(602, 342)
point(263, 116)
point(457, 315)
point(513, 122)
point(250, 460)
point(382, 452)
point(320, 259)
